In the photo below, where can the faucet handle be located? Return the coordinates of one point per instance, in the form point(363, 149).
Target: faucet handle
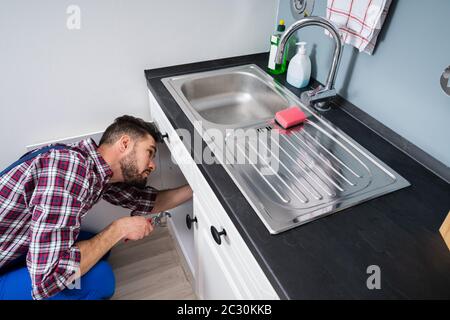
point(322, 95)
point(317, 97)
point(314, 91)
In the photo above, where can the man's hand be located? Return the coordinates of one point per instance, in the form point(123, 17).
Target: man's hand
point(134, 228)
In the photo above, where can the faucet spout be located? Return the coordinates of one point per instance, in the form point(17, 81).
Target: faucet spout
point(328, 91)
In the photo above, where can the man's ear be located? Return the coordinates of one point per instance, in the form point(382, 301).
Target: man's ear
point(124, 143)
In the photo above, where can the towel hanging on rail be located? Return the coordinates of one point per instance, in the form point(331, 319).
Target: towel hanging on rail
point(359, 21)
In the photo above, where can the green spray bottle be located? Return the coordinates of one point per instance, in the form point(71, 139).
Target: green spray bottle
point(275, 68)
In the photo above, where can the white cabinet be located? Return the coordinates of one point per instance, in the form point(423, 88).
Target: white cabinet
point(214, 279)
point(221, 271)
point(168, 175)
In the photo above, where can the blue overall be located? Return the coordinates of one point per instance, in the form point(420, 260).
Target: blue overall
point(15, 282)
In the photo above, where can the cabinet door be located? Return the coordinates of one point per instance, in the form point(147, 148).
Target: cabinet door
point(170, 176)
point(214, 279)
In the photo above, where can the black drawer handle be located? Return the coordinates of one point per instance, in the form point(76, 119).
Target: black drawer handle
point(189, 221)
point(165, 135)
point(216, 234)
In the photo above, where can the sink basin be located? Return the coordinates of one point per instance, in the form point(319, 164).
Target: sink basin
point(235, 98)
point(289, 177)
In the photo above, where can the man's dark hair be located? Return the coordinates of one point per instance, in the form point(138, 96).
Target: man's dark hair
point(132, 126)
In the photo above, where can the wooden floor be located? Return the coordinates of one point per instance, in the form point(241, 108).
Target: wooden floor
point(150, 269)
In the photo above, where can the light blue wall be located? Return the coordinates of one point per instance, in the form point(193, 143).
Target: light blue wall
point(399, 84)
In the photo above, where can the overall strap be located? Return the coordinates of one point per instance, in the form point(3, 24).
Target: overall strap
point(32, 154)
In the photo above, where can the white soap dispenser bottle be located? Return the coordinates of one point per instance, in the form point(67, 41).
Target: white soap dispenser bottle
point(299, 70)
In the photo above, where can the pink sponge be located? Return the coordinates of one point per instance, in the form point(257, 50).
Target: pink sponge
point(290, 117)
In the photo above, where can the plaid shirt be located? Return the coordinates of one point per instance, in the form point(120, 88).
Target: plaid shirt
point(42, 202)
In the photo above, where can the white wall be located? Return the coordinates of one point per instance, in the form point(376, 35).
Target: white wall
point(57, 83)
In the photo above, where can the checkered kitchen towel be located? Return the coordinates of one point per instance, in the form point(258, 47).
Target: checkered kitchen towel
point(359, 21)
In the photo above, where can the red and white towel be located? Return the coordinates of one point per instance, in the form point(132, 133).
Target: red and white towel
point(359, 21)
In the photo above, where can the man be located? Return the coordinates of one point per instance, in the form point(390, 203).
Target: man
point(43, 200)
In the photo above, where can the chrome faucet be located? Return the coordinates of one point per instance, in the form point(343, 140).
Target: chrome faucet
point(317, 96)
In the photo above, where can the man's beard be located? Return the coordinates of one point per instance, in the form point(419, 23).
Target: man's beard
point(130, 171)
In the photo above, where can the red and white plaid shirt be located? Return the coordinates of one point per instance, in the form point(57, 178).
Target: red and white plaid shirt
point(42, 202)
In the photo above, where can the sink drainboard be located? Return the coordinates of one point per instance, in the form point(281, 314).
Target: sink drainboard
point(295, 176)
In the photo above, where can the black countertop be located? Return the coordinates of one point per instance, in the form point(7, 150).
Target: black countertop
point(328, 258)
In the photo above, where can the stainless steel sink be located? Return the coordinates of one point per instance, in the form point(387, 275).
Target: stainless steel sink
point(235, 98)
point(291, 177)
